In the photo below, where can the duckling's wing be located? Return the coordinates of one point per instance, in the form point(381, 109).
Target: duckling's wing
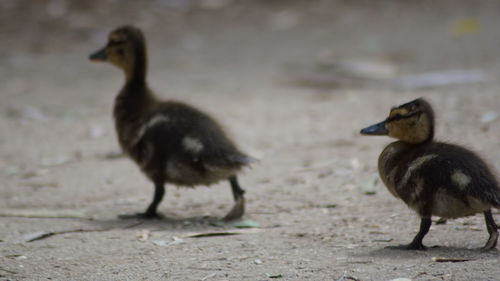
point(483, 184)
point(194, 136)
point(468, 174)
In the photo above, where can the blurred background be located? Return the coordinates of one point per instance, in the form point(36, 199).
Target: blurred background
point(322, 43)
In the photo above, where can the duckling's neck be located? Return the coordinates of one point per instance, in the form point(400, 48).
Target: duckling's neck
point(135, 73)
point(419, 137)
point(430, 136)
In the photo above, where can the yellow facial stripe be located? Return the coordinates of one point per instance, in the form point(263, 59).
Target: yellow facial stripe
point(117, 37)
point(396, 111)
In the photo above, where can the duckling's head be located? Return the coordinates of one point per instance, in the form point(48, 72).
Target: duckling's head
point(125, 49)
point(411, 122)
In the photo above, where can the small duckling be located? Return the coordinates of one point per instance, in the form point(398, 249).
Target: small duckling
point(170, 141)
point(433, 178)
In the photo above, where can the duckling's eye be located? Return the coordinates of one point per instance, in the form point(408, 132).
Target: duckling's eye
point(397, 117)
point(116, 42)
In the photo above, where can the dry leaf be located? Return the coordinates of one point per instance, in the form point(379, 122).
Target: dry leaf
point(443, 259)
point(223, 233)
point(466, 26)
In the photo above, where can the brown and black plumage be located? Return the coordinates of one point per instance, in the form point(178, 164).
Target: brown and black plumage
point(170, 141)
point(433, 178)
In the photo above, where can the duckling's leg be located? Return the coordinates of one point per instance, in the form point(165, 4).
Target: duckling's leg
point(416, 244)
point(158, 196)
point(239, 208)
point(492, 230)
point(150, 212)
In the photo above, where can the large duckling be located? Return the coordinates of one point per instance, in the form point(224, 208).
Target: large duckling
point(170, 141)
point(433, 178)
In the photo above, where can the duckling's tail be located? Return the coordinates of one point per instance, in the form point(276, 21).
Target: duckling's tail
point(496, 200)
point(491, 193)
point(243, 159)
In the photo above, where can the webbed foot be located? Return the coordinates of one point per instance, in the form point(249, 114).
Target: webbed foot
point(492, 230)
point(492, 242)
point(237, 211)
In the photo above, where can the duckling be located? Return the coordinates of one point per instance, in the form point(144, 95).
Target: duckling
point(433, 178)
point(170, 141)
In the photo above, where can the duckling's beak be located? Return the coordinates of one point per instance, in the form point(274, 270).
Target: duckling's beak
point(376, 130)
point(99, 55)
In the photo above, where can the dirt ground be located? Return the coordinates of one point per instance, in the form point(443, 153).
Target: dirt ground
point(258, 67)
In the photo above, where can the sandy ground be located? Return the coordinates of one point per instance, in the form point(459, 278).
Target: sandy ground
point(236, 60)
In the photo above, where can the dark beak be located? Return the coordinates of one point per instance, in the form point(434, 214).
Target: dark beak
point(99, 55)
point(375, 130)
